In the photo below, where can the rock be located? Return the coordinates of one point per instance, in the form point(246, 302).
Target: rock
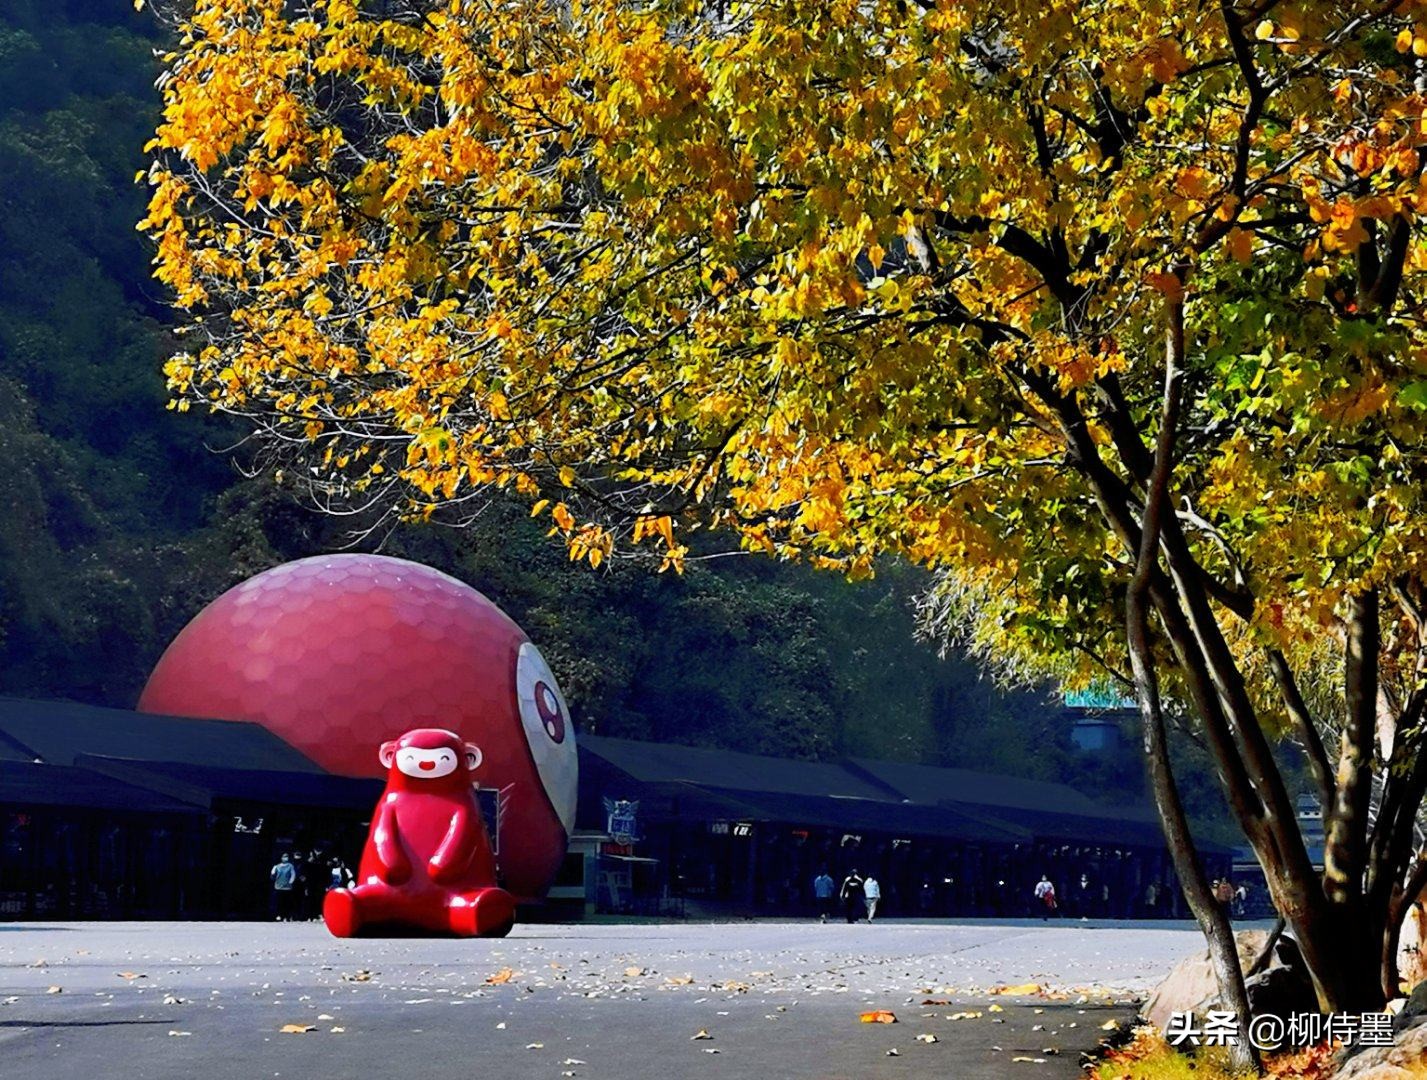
point(1411, 957)
point(1405, 1060)
point(1281, 991)
point(1192, 981)
point(1416, 1006)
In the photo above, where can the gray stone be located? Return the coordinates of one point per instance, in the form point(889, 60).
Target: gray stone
point(1281, 991)
point(1406, 1059)
point(1416, 1006)
point(1191, 986)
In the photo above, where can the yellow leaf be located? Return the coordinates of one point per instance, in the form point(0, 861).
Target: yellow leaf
point(1019, 989)
point(878, 1016)
point(563, 517)
point(1264, 31)
point(567, 476)
point(539, 506)
point(504, 975)
point(297, 1029)
point(1241, 244)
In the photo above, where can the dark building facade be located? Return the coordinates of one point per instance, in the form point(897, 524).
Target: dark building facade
point(106, 813)
point(722, 831)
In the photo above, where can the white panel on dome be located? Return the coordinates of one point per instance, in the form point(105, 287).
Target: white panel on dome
point(548, 730)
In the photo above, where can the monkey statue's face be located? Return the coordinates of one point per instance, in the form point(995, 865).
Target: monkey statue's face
point(429, 754)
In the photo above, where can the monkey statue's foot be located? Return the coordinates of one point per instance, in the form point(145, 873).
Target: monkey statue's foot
point(483, 913)
point(339, 912)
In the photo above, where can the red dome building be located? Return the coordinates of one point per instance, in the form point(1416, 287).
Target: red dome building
point(336, 654)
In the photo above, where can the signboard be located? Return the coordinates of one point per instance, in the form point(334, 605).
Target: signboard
point(622, 820)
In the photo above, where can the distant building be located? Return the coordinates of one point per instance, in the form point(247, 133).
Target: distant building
point(106, 813)
point(724, 831)
point(1097, 717)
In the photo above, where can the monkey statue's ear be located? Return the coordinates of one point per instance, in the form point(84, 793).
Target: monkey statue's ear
point(388, 753)
point(473, 756)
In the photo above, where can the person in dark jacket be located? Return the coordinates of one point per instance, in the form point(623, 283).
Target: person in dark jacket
point(851, 896)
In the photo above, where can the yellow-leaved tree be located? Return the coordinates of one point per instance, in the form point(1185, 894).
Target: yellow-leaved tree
point(1108, 312)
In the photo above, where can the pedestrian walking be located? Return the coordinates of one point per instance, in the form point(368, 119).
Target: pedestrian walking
point(873, 893)
point(824, 889)
point(851, 895)
point(1224, 894)
point(1045, 896)
point(284, 878)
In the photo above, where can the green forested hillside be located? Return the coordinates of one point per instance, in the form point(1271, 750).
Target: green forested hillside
point(121, 519)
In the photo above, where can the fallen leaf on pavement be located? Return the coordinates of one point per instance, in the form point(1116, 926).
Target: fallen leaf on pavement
point(130, 975)
point(681, 980)
point(633, 972)
point(894, 1052)
point(700, 1034)
point(936, 1001)
point(535, 1046)
point(55, 990)
point(994, 1008)
point(1109, 1025)
point(963, 1016)
point(711, 1050)
point(180, 1033)
point(878, 1016)
point(297, 1029)
point(504, 975)
point(927, 1038)
point(360, 976)
point(1018, 990)
point(1033, 1061)
point(339, 1030)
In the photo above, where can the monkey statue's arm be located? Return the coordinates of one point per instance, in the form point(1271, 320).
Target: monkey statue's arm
point(395, 866)
point(453, 855)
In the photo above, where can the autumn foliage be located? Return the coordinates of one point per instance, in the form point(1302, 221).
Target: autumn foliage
point(864, 276)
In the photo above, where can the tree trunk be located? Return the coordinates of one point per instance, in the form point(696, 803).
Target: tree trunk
point(1213, 920)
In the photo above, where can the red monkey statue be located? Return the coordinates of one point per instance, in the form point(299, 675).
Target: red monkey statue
point(427, 865)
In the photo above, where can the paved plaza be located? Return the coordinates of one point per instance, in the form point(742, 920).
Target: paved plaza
point(622, 1002)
